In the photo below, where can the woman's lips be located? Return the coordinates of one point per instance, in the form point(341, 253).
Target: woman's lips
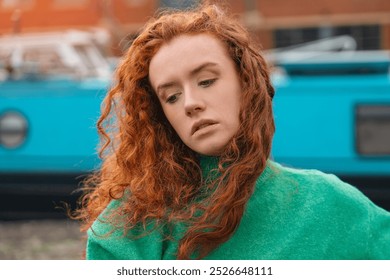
point(201, 125)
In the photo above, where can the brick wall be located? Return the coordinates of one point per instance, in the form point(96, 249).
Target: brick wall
point(124, 17)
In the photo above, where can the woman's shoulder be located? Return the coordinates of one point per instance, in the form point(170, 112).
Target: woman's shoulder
point(320, 212)
point(103, 225)
point(313, 183)
point(108, 239)
point(313, 192)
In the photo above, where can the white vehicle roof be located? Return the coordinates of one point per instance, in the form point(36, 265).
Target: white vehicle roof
point(77, 52)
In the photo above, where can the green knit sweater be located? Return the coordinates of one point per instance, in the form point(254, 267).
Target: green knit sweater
point(292, 214)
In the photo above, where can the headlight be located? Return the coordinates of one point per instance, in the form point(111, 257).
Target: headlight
point(13, 129)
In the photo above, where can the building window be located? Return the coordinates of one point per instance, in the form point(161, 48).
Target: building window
point(367, 37)
point(179, 4)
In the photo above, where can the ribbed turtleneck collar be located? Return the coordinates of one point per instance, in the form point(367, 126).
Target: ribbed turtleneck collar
point(208, 163)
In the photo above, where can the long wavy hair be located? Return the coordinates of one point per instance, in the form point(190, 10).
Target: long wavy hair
point(147, 166)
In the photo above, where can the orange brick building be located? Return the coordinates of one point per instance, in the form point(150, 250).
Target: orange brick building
point(275, 23)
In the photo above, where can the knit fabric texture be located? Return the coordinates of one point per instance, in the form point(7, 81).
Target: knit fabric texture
point(292, 215)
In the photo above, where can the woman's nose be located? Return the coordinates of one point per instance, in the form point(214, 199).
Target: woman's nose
point(193, 103)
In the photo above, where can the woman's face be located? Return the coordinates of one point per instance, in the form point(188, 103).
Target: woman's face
point(199, 90)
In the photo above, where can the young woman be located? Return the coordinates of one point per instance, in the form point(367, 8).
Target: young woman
point(186, 170)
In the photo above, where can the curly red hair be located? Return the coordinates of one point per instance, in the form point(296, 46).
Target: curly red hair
point(146, 164)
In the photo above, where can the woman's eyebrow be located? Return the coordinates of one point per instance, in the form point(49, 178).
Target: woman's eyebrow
point(164, 86)
point(201, 67)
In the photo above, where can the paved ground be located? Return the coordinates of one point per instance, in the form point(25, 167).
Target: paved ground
point(57, 239)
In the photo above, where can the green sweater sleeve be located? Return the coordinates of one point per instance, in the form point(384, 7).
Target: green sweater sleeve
point(379, 239)
point(95, 251)
point(106, 241)
point(117, 247)
point(365, 223)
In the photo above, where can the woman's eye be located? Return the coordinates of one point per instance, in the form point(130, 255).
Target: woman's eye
point(207, 83)
point(172, 98)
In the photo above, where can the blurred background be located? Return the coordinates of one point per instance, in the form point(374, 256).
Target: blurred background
point(330, 66)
